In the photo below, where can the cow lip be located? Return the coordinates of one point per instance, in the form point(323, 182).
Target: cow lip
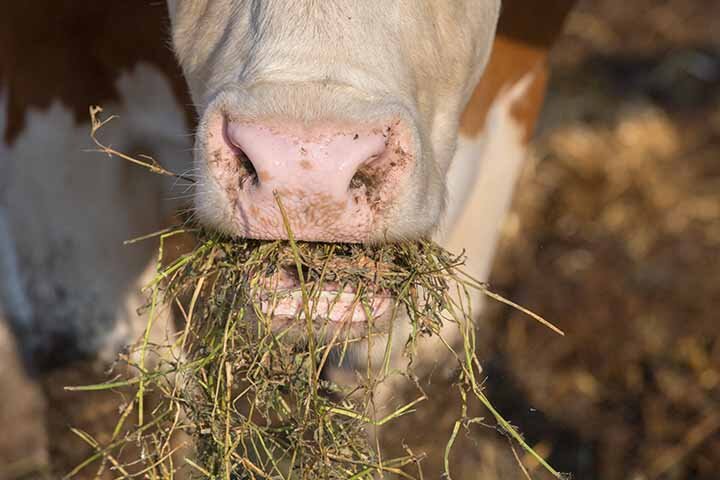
point(282, 297)
point(330, 303)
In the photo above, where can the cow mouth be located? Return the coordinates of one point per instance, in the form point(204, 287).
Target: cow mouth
point(286, 301)
point(310, 289)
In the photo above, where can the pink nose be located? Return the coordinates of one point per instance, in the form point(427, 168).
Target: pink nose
point(321, 165)
point(335, 181)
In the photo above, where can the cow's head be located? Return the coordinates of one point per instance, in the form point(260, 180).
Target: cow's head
point(347, 109)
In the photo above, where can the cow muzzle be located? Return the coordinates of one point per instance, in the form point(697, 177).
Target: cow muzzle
point(336, 180)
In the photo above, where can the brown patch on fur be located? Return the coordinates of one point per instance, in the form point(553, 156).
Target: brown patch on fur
point(526, 32)
point(75, 51)
point(305, 164)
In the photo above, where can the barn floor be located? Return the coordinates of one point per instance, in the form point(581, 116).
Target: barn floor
point(614, 236)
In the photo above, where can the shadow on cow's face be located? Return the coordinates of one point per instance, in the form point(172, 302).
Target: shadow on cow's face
point(348, 110)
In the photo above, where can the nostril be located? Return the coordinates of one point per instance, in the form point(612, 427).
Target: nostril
point(367, 176)
point(380, 175)
point(245, 167)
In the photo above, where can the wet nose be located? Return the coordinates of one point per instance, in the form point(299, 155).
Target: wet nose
point(335, 179)
point(321, 164)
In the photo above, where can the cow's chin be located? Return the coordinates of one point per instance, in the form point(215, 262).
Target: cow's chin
point(338, 313)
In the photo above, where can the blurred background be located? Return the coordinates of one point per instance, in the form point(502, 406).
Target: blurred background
point(615, 237)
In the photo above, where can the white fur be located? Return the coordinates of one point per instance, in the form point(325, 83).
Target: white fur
point(481, 211)
point(13, 302)
point(481, 182)
point(65, 212)
point(461, 178)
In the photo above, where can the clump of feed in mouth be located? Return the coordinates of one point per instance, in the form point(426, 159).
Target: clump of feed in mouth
point(256, 405)
point(253, 397)
point(243, 385)
point(358, 289)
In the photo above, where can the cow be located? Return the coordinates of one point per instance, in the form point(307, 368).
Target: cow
point(376, 121)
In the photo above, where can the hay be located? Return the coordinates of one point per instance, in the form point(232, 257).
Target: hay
point(250, 394)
